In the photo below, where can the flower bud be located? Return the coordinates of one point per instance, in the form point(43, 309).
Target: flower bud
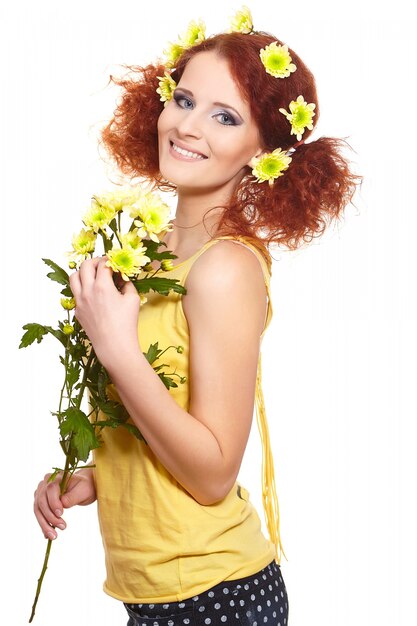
point(68, 303)
point(72, 265)
point(183, 380)
point(180, 349)
point(166, 265)
point(68, 329)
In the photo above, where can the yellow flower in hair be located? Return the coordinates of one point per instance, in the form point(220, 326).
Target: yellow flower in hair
point(195, 33)
point(166, 87)
point(301, 116)
point(241, 22)
point(277, 60)
point(172, 54)
point(270, 165)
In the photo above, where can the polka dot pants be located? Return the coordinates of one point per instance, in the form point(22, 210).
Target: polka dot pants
point(257, 600)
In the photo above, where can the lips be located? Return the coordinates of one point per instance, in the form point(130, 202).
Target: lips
point(187, 148)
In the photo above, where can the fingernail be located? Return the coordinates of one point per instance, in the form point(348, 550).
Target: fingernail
point(61, 526)
point(58, 512)
point(51, 535)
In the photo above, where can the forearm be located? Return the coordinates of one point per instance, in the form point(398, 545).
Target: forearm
point(184, 445)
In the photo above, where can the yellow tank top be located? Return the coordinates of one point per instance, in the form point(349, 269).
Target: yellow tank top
point(160, 544)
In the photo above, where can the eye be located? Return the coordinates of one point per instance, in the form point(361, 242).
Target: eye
point(231, 119)
point(178, 98)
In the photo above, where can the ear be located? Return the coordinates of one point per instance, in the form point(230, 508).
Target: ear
point(255, 156)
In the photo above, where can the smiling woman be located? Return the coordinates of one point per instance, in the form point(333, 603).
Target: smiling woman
point(222, 122)
point(208, 135)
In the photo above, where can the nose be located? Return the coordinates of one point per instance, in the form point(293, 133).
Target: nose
point(190, 125)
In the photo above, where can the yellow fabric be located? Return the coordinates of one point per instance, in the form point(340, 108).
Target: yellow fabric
point(160, 544)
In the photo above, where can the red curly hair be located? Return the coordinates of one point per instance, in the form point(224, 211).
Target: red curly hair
point(315, 188)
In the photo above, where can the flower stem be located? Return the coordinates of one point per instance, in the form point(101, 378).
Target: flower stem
point(40, 579)
point(67, 473)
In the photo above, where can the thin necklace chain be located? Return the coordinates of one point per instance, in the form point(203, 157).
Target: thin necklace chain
point(178, 226)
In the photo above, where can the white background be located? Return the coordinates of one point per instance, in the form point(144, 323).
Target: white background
point(339, 356)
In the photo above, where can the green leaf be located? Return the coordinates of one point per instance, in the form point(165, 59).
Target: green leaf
point(66, 291)
point(162, 285)
point(114, 410)
point(152, 353)
point(168, 382)
point(134, 431)
point(73, 373)
point(59, 275)
point(33, 331)
point(62, 337)
point(79, 428)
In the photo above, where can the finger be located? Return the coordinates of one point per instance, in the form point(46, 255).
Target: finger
point(105, 273)
point(75, 284)
point(49, 511)
point(78, 492)
point(87, 272)
point(45, 517)
point(128, 288)
point(48, 531)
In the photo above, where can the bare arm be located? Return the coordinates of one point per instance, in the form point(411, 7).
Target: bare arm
point(225, 309)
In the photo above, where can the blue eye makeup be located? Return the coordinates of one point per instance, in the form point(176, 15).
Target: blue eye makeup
point(178, 97)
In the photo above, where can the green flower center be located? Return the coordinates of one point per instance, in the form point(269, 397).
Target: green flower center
point(271, 166)
point(301, 117)
point(277, 61)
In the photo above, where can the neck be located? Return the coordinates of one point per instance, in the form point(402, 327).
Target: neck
point(196, 220)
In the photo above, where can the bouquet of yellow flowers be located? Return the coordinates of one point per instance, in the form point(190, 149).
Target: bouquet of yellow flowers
point(130, 255)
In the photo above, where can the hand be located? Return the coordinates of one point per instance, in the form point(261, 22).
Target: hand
point(108, 315)
point(49, 504)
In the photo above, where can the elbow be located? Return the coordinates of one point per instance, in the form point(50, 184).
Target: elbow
point(213, 495)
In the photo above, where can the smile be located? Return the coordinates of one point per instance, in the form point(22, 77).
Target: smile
point(186, 155)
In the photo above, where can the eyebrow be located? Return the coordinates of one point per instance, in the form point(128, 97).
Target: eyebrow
point(218, 104)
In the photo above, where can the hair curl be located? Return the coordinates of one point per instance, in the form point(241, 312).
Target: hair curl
point(315, 188)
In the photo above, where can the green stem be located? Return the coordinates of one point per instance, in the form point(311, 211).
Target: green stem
point(67, 473)
point(40, 579)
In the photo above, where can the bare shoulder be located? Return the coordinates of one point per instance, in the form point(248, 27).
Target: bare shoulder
point(224, 262)
point(231, 273)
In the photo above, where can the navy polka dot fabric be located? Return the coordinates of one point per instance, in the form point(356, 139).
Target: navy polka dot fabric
point(257, 600)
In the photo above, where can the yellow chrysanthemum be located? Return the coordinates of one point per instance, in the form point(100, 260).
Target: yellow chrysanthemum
point(84, 242)
point(301, 116)
point(153, 216)
point(277, 60)
point(68, 303)
point(166, 87)
point(127, 261)
point(67, 329)
point(172, 54)
point(119, 199)
point(131, 240)
point(99, 215)
point(270, 165)
point(195, 33)
point(242, 21)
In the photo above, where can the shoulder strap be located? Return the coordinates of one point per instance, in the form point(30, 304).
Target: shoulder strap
point(269, 495)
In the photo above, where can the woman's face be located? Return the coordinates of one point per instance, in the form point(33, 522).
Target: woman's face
point(209, 118)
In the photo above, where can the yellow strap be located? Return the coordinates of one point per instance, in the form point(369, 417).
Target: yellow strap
point(269, 495)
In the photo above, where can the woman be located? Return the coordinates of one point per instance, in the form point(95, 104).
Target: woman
point(183, 542)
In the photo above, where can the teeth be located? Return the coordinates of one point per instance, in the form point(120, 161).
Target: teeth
point(187, 152)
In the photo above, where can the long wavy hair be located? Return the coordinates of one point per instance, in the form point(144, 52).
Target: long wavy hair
point(316, 187)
